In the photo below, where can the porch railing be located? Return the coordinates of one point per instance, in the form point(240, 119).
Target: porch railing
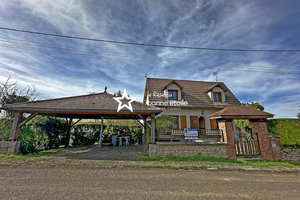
point(209, 132)
point(203, 133)
point(200, 132)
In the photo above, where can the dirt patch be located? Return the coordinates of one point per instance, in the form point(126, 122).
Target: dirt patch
point(133, 152)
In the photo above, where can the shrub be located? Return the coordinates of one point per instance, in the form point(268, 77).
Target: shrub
point(86, 134)
point(134, 133)
point(5, 127)
point(287, 129)
point(31, 140)
point(164, 124)
point(42, 133)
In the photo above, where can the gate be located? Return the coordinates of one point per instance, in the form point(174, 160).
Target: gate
point(247, 147)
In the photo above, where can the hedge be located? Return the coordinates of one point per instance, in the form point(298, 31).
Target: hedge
point(287, 129)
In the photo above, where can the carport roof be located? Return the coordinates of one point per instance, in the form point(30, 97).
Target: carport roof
point(86, 106)
point(240, 112)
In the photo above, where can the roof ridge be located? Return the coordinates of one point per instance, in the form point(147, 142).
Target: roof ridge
point(184, 80)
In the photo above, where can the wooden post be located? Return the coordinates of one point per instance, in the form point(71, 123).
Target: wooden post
point(152, 128)
point(143, 134)
point(101, 131)
point(15, 127)
point(68, 134)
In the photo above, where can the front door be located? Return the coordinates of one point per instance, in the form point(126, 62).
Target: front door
point(213, 124)
point(202, 122)
point(194, 122)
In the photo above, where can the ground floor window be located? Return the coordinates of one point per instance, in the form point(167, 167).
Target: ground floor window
point(175, 122)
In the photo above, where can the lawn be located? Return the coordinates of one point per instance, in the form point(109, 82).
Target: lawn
point(20, 156)
point(214, 160)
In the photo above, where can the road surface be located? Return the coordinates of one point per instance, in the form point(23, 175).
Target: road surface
point(139, 183)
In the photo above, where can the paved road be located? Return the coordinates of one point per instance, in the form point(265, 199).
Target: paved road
point(139, 183)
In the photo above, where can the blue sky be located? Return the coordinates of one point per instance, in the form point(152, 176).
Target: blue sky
point(63, 67)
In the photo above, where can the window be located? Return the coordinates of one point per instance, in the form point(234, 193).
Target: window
point(172, 95)
point(217, 97)
point(176, 122)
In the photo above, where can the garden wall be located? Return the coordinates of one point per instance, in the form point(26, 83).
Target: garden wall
point(163, 149)
point(9, 147)
point(291, 154)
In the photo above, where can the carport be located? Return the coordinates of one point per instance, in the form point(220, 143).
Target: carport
point(92, 106)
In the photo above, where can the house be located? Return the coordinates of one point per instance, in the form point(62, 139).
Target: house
point(190, 103)
point(209, 108)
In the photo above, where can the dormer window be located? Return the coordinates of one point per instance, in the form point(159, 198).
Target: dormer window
point(217, 96)
point(172, 94)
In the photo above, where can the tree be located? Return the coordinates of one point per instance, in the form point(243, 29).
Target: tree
point(255, 105)
point(118, 94)
point(298, 115)
point(11, 93)
point(244, 124)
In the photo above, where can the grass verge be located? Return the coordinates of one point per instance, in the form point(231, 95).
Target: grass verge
point(213, 160)
point(20, 156)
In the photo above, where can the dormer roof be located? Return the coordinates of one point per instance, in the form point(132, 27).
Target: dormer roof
point(173, 82)
point(220, 85)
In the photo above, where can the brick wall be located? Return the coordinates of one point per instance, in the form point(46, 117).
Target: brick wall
point(227, 128)
point(163, 149)
point(260, 128)
point(275, 146)
point(291, 154)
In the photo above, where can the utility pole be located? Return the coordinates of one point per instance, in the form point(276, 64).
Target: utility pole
point(216, 74)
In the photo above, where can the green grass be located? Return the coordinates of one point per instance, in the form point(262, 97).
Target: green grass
point(20, 156)
point(214, 160)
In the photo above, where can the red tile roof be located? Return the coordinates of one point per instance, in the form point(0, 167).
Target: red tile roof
point(100, 102)
point(194, 92)
point(240, 112)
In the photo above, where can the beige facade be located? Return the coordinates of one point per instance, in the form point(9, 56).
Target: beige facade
point(189, 112)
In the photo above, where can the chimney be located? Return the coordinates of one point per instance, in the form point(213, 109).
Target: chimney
point(105, 89)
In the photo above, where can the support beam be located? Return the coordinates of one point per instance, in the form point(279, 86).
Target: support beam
point(27, 119)
point(68, 134)
point(143, 132)
point(101, 131)
point(144, 135)
point(153, 129)
point(75, 123)
point(145, 120)
point(15, 129)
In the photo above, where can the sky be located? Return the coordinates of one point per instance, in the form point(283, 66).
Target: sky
point(61, 67)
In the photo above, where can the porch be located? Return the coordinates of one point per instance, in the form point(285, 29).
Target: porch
point(178, 135)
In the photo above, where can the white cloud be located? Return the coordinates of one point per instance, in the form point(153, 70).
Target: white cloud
point(235, 24)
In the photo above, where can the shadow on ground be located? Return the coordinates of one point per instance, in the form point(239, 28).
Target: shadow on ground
point(132, 152)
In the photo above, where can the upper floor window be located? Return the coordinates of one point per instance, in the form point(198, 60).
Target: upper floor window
point(172, 94)
point(217, 96)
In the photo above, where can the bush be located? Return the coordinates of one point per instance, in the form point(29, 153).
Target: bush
point(287, 129)
point(164, 124)
point(31, 140)
point(86, 134)
point(134, 133)
point(5, 127)
point(42, 133)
